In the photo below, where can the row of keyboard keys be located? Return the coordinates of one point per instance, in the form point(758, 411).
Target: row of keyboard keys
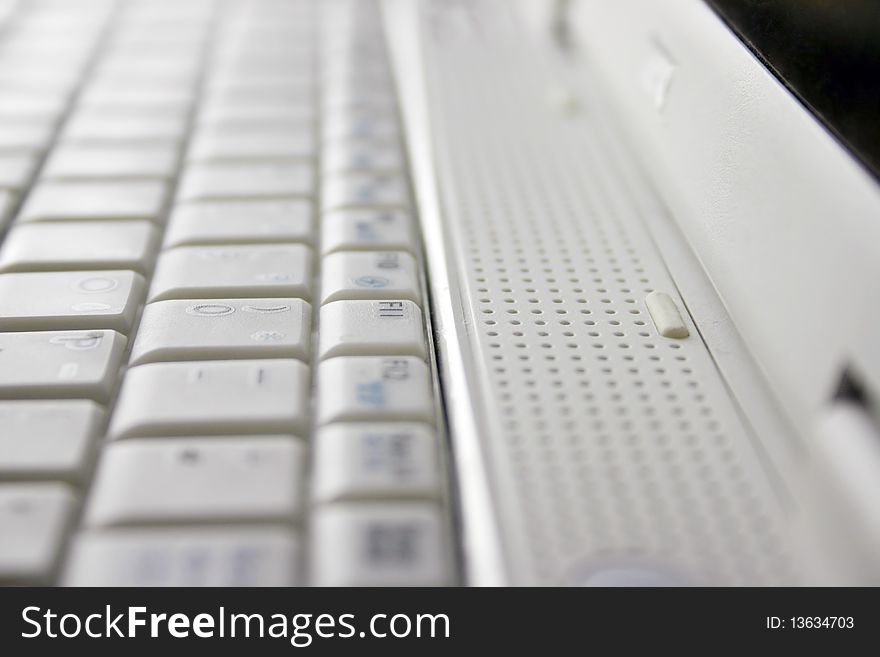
point(206, 432)
point(43, 442)
point(377, 499)
point(40, 65)
point(202, 480)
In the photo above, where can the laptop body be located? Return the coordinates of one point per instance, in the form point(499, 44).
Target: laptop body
point(540, 295)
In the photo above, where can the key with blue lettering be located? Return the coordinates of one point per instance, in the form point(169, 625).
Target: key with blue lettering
point(367, 388)
point(370, 275)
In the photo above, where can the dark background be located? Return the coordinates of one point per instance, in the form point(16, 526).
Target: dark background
point(512, 621)
point(828, 53)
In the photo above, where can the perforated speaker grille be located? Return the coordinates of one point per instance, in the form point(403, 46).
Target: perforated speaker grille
point(612, 447)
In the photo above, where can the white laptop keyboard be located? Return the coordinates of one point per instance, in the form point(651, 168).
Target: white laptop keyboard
point(214, 367)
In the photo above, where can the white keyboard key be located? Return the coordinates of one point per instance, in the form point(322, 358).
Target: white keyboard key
point(369, 388)
point(223, 328)
point(361, 123)
point(359, 68)
point(25, 135)
point(111, 95)
point(260, 142)
point(379, 545)
point(213, 397)
point(370, 275)
point(375, 461)
point(38, 301)
point(343, 96)
point(125, 69)
point(34, 520)
point(29, 74)
point(198, 480)
point(60, 364)
point(371, 328)
point(107, 161)
point(78, 201)
point(197, 272)
point(65, 246)
point(100, 125)
point(361, 155)
point(240, 222)
point(227, 557)
point(242, 181)
point(370, 190)
point(16, 169)
point(48, 439)
point(367, 230)
point(284, 87)
point(230, 93)
point(250, 111)
point(31, 105)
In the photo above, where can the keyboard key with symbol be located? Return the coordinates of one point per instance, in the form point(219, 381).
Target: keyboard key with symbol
point(375, 461)
point(371, 328)
point(370, 388)
point(56, 364)
point(370, 275)
point(213, 397)
point(70, 300)
point(390, 544)
point(360, 189)
point(362, 155)
point(367, 230)
point(178, 330)
point(198, 480)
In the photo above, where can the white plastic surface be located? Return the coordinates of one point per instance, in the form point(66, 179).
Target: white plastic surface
point(605, 446)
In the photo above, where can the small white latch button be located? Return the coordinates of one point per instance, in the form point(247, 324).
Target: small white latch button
point(666, 317)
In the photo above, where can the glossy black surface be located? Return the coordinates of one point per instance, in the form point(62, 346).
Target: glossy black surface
point(828, 53)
